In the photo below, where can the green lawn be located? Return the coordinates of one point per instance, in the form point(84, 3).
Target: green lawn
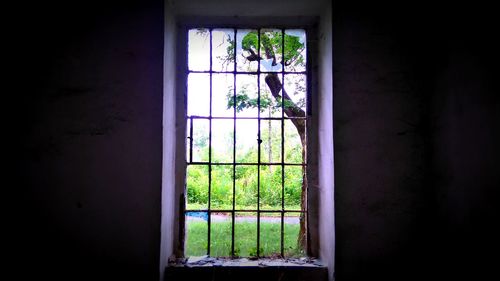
point(245, 236)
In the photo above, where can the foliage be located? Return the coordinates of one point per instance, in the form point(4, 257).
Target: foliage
point(245, 239)
point(243, 101)
point(246, 179)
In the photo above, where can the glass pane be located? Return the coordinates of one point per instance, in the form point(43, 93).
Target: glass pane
point(246, 187)
point(245, 234)
point(293, 187)
point(295, 87)
point(200, 140)
point(197, 187)
point(196, 234)
point(295, 50)
point(222, 95)
point(246, 95)
point(291, 245)
point(222, 140)
point(221, 196)
point(270, 234)
point(270, 105)
point(220, 231)
point(271, 50)
point(223, 50)
point(270, 187)
point(270, 149)
point(198, 94)
point(246, 50)
point(246, 140)
point(293, 145)
point(199, 49)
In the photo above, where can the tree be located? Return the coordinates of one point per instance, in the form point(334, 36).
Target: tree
point(270, 48)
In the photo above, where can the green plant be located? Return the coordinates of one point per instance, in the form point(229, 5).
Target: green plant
point(245, 239)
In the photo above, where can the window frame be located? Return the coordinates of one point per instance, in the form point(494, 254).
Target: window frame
point(309, 25)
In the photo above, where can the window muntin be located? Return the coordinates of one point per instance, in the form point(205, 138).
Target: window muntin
point(237, 125)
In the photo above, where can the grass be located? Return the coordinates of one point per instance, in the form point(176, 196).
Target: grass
point(245, 236)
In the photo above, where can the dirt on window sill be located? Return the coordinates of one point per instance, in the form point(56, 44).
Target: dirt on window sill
point(206, 261)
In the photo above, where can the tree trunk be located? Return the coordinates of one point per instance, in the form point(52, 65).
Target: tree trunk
point(292, 110)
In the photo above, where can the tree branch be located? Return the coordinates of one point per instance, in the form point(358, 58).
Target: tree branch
point(253, 56)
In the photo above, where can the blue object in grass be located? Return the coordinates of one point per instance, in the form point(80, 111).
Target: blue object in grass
point(203, 215)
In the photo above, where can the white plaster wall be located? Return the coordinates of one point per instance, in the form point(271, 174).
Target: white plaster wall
point(169, 139)
point(325, 144)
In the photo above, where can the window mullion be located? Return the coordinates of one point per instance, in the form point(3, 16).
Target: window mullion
point(209, 219)
point(282, 140)
point(258, 144)
point(234, 145)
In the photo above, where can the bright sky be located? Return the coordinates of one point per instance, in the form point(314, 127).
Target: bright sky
point(222, 84)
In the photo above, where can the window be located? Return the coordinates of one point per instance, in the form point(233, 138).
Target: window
point(313, 16)
point(246, 142)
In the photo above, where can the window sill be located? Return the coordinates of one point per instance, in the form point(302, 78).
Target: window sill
point(206, 268)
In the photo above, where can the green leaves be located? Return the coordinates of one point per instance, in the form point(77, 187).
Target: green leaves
point(293, 49)
point(271, 43)
point(243, 101)
point(250, 41)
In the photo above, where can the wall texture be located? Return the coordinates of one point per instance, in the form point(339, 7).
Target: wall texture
point(465, 143)
point(90, 136)
point(416, 127)
point(325, 151)
point(169, 196)
point(380, 135)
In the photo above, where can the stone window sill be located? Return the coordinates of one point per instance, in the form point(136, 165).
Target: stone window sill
point(220, 269)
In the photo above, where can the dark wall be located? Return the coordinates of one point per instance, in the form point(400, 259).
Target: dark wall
point(416, 132)
point(89, 138)
point(465, 126)
point(381, 151)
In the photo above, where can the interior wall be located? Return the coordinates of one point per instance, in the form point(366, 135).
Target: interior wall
point(382, 196)
point(466, 112)
point(89, 139)
point(466, 133)
point(416, 130)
